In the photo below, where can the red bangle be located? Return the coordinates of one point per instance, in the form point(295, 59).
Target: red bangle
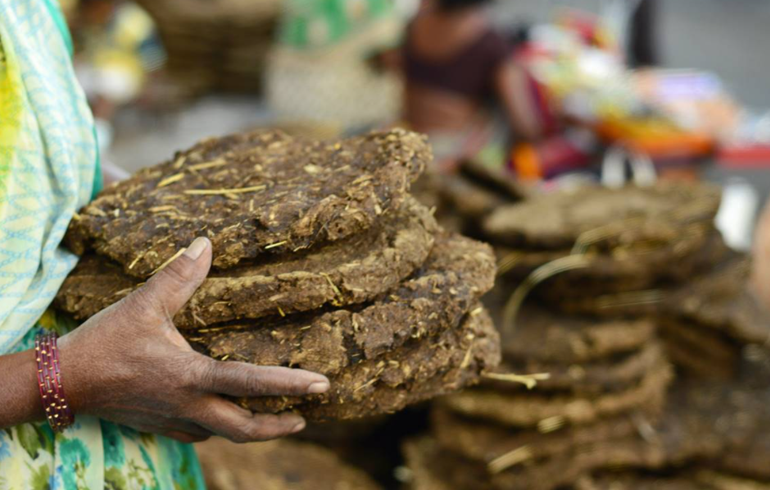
point(49, 380)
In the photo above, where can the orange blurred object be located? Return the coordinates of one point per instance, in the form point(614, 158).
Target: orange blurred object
point(657, 138)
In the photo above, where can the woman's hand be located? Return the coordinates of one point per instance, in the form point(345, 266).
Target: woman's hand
point(128, 364)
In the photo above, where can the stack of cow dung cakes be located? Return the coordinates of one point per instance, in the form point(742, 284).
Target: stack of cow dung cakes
point(712, 434)
point(602, 373)
point(621, 240)
point(605, 379)
point(321, 260)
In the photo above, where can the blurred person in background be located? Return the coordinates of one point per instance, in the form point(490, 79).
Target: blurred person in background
point(327, 66)
point(459, 70)
point(138, 390)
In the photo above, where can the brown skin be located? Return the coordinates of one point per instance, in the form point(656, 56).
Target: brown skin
point(440, 35)
point(129, 365)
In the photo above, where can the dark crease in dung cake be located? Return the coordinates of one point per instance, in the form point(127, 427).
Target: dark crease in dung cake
point(421, 369)
point(457, 272)
point(251, 194)
point(351, 271)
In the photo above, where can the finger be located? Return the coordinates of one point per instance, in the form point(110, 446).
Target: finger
point(185, 437)
point(243, 379)
point(228, 420)
point(170, 288)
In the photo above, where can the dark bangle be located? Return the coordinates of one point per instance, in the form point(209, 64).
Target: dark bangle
point(57, 410)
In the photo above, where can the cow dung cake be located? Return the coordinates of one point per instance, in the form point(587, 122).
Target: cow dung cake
point(252, 194)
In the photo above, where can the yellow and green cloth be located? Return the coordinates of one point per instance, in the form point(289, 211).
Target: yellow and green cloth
point(48, 170)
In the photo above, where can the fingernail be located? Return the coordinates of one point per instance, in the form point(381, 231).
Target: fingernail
point(318, 387)
point(196, 248)
point(300, 426)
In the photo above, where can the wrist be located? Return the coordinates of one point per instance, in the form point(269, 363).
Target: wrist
point(74, 381)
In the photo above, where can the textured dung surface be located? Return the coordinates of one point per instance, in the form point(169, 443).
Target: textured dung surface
point(530, 409)
point(277, 465)
point(347, 272)
point(274, 193)
point(615, 373)
point(422, 369)
point(484, 442)
point(721, 300)
point(458, 271)
point(655, 214)
point(688, 479)
point(541, 335)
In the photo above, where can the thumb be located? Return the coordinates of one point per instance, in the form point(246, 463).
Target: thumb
point(176, 282)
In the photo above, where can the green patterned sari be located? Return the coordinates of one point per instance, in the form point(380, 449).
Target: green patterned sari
point(49, 169)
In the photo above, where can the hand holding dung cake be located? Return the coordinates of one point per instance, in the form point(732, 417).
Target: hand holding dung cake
point(129, 364)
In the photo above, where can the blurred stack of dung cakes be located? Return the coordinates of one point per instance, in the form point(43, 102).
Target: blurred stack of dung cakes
point(277, 465)
point(597, 289)
point(322, 261)
point(216, 45)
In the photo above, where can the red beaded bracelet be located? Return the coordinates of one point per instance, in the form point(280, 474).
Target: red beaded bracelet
point(57, 410)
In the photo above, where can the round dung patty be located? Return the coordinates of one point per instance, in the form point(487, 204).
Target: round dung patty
point(608, 375)
point(424, 368)
point(250, 194)
point(351, 271)
point(556, 221)
point(542, 335)
point(533, 409)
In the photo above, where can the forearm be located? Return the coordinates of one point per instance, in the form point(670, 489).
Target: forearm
point(19, 396)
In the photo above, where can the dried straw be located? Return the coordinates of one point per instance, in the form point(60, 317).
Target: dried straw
point(528, 380)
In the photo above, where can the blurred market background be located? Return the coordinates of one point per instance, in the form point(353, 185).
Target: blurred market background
point(165, 74)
